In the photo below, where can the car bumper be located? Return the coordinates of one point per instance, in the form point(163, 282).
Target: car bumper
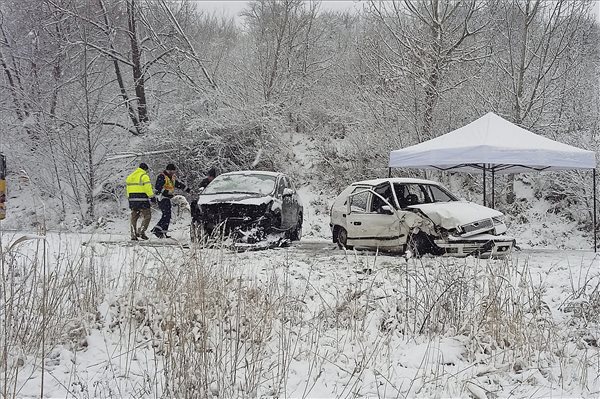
point(482, 245)
point(230, 224)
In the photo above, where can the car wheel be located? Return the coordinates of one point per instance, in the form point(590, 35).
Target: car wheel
point(416, 245)
point(296, 233)
point(420, 244)
point(342, 238)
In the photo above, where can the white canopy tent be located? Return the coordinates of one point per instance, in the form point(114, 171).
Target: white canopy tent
point(493, 144)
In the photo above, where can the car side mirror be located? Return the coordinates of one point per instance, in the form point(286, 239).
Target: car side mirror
point(386, 210)
point(288, 192)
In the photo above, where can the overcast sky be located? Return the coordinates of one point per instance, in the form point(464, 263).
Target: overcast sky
point(233, 7)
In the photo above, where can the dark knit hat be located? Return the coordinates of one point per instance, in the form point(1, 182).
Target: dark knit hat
point(170, 167)
point(144, 166)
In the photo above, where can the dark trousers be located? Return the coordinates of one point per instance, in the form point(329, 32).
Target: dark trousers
point(165, 219)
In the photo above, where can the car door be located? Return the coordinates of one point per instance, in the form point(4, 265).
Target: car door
point(289, 204)
point(371, 227)
point(296, 202)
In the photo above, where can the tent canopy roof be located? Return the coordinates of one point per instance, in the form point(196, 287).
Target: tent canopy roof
point(496, 143)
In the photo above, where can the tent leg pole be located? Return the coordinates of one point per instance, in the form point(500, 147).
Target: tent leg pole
point(484, 200)
point(389, 172)
point(595, 217)
point(493, 189)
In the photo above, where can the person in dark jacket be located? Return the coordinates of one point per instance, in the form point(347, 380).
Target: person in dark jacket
point(165, 186)
point(139, 194)
point(210, 176)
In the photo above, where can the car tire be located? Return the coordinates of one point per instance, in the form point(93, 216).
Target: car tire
point(341, 238)
point(296, 233)
point(420, 244)
point(416, 245)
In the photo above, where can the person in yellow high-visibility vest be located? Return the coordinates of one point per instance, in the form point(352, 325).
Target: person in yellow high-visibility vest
point(165, 186)
point(139, 194)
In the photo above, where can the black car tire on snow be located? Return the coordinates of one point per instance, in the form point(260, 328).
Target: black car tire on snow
point(341, 238)
point(296, 233)
point(421, 244)
point(416, 245)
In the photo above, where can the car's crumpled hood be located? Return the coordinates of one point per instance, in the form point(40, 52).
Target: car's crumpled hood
point(235, 198)
point(450, 215)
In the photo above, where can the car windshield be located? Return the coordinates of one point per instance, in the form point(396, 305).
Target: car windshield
point(242, 183)
point(416, 194)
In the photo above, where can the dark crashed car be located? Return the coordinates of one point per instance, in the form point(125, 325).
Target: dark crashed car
point(248, 206)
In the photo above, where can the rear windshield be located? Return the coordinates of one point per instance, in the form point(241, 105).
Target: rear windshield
point(242, 183)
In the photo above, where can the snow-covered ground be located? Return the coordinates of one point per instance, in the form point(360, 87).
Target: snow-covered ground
point(310, 320)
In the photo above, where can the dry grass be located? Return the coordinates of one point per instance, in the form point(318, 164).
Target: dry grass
point(45, 301)
point(198, 323)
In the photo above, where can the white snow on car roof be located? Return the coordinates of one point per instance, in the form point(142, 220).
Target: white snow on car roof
point(253, 172)
point(400, 180)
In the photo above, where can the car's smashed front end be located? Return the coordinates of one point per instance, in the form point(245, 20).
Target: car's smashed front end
point(461, 229)
point(244, 218)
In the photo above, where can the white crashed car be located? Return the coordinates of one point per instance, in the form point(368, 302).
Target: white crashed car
point(417, 217)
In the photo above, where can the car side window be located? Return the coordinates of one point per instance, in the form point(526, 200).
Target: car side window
point(409, 194)
point(415, 195)
point(424, 194)
point(385, 191)
point(439, 195)
point(401, 193)
point(358, 202)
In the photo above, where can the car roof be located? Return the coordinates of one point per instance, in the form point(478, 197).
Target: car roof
point(399, 180)
point(253, 172)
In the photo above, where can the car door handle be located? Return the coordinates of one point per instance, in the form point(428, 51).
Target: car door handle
point(357, 223)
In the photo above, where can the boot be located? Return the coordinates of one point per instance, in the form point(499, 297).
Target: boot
point(158, 232)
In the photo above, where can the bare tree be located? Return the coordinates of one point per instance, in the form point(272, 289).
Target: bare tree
point(191, 48)
point(424, 45)
point(33, 56)
point(124, 46)
point(536, 63)
point(281, 34)
point(536, 50)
